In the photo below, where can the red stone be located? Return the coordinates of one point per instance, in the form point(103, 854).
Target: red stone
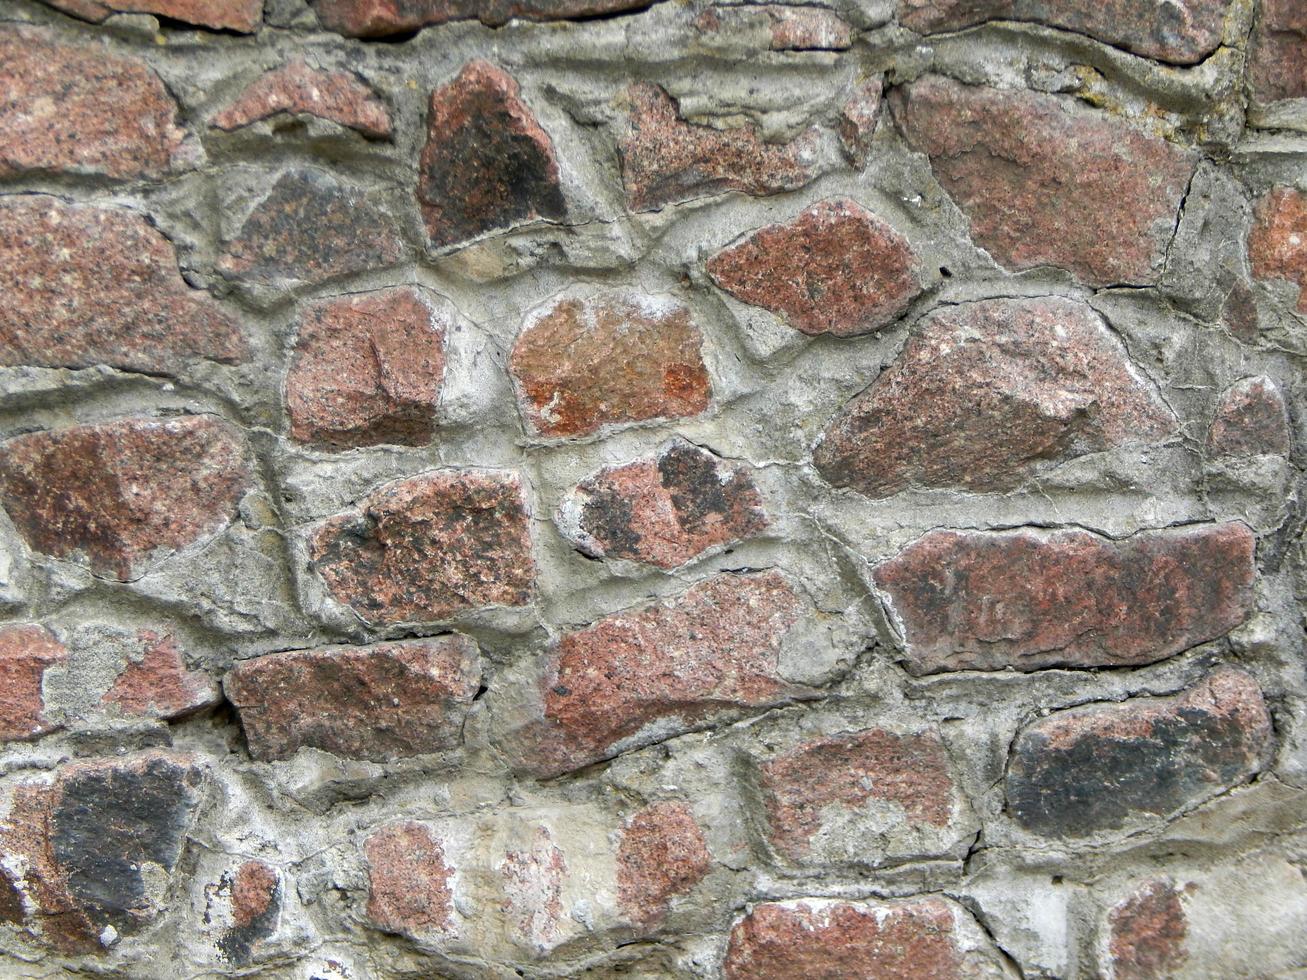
point(26, 653)
point(665, 509)
point(243, 16)
point(662, 854)
point(787, 27)
point(159, 684)
point(666, 159)
point(986, 395)
point(409, 887)
point(1147, 933)
point(376, 702)
point(1251, 419)
point(858, 119)
point(1047, 181)
point(121, 495)
point(836, 268)
point(429, 547)
point(1030, 598)
point(1278, 51)
point(1277, 244)
point(338, 96)
point(582, 364)
point(487, 163)
point(255, 905)
point(378, 18)
point(367, 369)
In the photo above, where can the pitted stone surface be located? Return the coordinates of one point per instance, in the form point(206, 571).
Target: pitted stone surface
point(339, 96)
point(662, 855)
point(1277, 244)
point(1278, 63)
point(230, 15)
point(26, 653)
point(409, 889)
point(379, 18)
point(255, 905)
point(1251, 419)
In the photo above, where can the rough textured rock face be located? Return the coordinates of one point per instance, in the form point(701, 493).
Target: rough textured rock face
point(408, 881)
point(255, 904)
point(1277, 245)
point(662, 855)
point(1251, 420)
point(1147, 933)
point(228, 15)
point(26, 653)
point(379, 18)
point(296, 88)
point(785, 27)
point(159, 684)
point(1279, 51)
point(858, 120)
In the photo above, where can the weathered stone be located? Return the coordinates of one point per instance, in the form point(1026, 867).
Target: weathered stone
point(118, 496)
point(662, 854)
point(159, 684)
point(836, 268)
point(786, 27)
point(1251, 419)
point(1278, 62)
point(615, 359)
point(229, 15)
point(533, 876)
point(378, 702)
point(1147, 933)
point(1104, 767)
point(1277, 244)
point(429, 547)
point(1182, 32)
point(310, 228)
point(1030, 598)
point(665, 509)
point(255, 906)
point(1004, 156)
point(409, 882)
point(984, 395)
point(367, 369)
point(26, 653)
point(76, 109)
point(858, 119)
point(666, 159)
point(487, 163)
point(86, 285)
point(338, 96)
point(378, 18)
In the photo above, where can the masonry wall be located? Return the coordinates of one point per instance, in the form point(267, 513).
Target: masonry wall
point(600, 488)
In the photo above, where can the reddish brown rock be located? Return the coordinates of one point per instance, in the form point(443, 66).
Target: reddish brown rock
point(310, 228)
point(985, 395)
point(836, 268)
point(786, 27)
point(243, 16)
point(858, 119)
point(1147, 932)
point(1183, 32)
point(1030, 598)
point(379, 18)
point(1104, 767)
point(582, 364)
point(26, 653)
point(121, 495)
point(1006, 157)
point(255, 906)
point(1251, 419)
point(338, 96)
point(409, 886)
point(159, 684)
point(487, 163)
point(377, 702)
point(429, 547)
point(666, 159)
point(1278, 62)
point(662, 854)
point(367, 369)
point(664, 510)
point(1277, 244)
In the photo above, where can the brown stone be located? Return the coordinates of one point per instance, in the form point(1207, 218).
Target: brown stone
point(662, 854)
point(1047, 181)
point(786, 27)
point(986, 395)
point(255, 906)
point(1277, 244)
point(858, 119)
point(119, 496)
point(1031, 598)
point(377, 702)
point(159, 684)
point(26, 653)
point(666, 159)
point(243, 16)
point(367, 369)
point(338, 96)
point(1182, 32)
point(409, 887)
point(1104, 767)
point(665, 509)
point(378, 18)
point(429, 547)
point(616, 359)
point(836, 268)
point(1278, 61)
point(1147, 932)
point(1251, 419)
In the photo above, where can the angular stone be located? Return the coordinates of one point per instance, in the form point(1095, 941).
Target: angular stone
point(487, 163)
point(367, 369)
point(1031, 598)
point(664, 510)
point(1251, 419)
point(662, 854)
point(1182, 32)
point(26, 653)
point(295, 88)
point(159, 684)
point(984, 395)
point(86, 285)
point(858, 119)
point(666, 159)
point(1278, 55)
point(836, 268)
point(1277, 244)
point(786, 27)
point(429, 547)
point(379, 18)
point(1147, 932)
point(1106, 767)
point(120, 496)
point(410, 887)
point(255, 906)
point(380, 702)
point(615, 359)
point(1005, 156)
point(243, 16)
point(310, 228)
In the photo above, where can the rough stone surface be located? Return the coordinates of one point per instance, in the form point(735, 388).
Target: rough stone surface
point(985, 395)
point(580, 364)
point(429, 547)
point(1278, 63)
point(785, 26)
point(1103, 768)
point(858, 119)
point(118, 496)
point(376, 702)
point(229, 15)
point(379, 18)
point(1028, 599)
point(1147, 933)
point(255, 905)
point(662, 854)
point(1277, 244)
point(664, 510)
point(409, 881)
point(26, 653)
point(1109, 226)
point(294, 88)
point(1251, 419)
point(367, 369)
point(159, 684)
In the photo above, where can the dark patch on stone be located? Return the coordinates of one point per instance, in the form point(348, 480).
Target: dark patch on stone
point(607, 516)
point(691, 478)
point(256, 904)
